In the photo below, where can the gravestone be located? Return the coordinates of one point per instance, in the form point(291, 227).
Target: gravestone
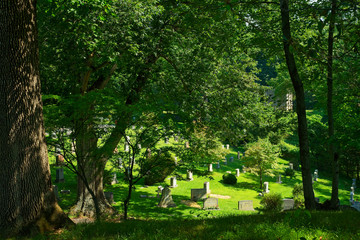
point(266, 187)
point(159, 191)
point(197, 194)
point(133, 127)
point(243, 169)
point(114, 179)
point(211, 203)
point(351, 197)
point(166, 199)
point(210, 167)
point(238, 155)
point(109, 197)
point(291, 166)
point(139, 146)
point(227, 146)
point(288, 204)
point(231, 159)
point(189, 176)
point(316, 175)
point(56, 192)
point(229, 172)
point(173, 182)
point(60, 160)
point(237, 172)
point(207, 187)
point(279, 179)
point(246, 205)
point(223, 146)
point(59, 175)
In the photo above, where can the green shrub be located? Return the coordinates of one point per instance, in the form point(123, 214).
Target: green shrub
point(272, 202)
point(298, 193)
point(158, 166)
point(290, 152)
point(229, 178)
point(289, 172)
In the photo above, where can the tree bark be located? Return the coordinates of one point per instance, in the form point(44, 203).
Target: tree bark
point(300, 107)
point(331, 147)
point(26, 198)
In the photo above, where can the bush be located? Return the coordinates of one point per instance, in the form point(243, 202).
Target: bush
point(272, 202)
point(229, 178)
point(159, 167)
point(289, 172)
point(298, 193)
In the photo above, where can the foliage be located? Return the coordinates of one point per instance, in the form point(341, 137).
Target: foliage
point(260, 157)
point(298, 195)
point(272, 202)
point(229, 178)
point(289, 172)
point(289, 152)
point(160, 166)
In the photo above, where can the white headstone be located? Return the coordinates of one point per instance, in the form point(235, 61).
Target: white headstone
point(189, 175)
point(207, 187)
point(210, 168)
point(243, 169)
point(279, 179)
point(266, 187)
point(173, 182)
point(139, 146)
point(291, 166)
point(351, 197)
point(227, 146)
point(237, 172)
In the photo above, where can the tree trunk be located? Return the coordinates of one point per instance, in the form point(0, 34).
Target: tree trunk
point(331, 148)
point(300, 107)
point(26, 197)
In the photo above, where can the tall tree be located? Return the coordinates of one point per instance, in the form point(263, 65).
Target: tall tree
point(300, 106)
point(26, 197)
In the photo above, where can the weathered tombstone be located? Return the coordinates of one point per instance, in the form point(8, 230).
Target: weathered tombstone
point(59, 175)
point(238, 155)
point(197, 194)
point(210, 167)
point(60, 160)
point(173, 182)
point(227, 146)
point(189, 175)
point(211, 203)
point(291, 166)
point(166, 199)
point(315, 176)
point(114, 179)
point(288, 204)
point(237, 172)
point(109, 197)
point(279, 179)
point(159, 191)
point(207, 187)
point(231, 159)
point(352, 189)
point(56, 192)
point(266, 187)
point(351, 197)
point(246, 205)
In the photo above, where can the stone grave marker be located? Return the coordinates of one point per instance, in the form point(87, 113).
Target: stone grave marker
point(166, 199)
point(173, 182)
point(223, 146)
point(316, 175)
point(238, 155)
point(266, 187)
point(114, 179)
point(288, 204)
point(218, 165)
point(189, 176)
point(210, 167)
point(197, 194)
point(243, 169)
point(109, 197)
point(139, 146)
point(354, 183)
point(211, 203)
point(207, 187)
point(56, 192)
point(229, 172)
point(59, 175)
point(231, 159)
point(159, 191)
point(227, 146)
point(246, 205)
point(279, 179)
point(291, 166)
point(237, 172)
point(60, 160)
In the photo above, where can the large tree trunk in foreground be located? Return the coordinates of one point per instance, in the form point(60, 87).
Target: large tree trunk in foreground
point(300, 107)
point(332, 155)
point(27, 201)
